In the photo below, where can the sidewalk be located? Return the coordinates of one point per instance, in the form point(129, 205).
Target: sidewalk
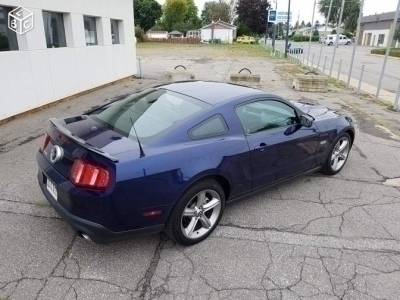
point(385, 96)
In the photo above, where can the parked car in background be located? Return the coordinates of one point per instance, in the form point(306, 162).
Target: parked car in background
point(172, 156)
point(244, 39)
point(331, 39)
point(295, 48)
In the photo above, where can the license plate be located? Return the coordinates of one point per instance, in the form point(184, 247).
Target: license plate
point(51, 187)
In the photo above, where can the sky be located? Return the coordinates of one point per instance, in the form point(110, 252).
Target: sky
point(304, 8)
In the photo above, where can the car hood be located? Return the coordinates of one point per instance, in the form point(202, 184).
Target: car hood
point(94, 134)
point(318, 112)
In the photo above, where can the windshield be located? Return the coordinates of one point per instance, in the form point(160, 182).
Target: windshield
point(152, 112)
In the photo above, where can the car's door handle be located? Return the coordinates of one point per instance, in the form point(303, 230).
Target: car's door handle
point(261, 147)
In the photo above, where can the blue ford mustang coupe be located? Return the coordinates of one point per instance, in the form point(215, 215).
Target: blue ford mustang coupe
point(173, 156)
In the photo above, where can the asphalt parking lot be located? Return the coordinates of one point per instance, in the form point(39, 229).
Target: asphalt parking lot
point(315, 237)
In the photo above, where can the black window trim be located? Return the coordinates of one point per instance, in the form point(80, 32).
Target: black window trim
point(296, 110)
point(212, 135)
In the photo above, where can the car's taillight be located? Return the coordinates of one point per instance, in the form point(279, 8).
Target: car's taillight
point(86, 175)
point(45, 140)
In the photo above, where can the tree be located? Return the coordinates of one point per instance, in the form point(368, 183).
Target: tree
point(175, 11)
point(308, 24)
point(191, 18)
point(316, 33)
point(146, 13)
point(334, 31)
point(396, 36)
point(252, 13)
point(297, 26)
point(214, 11)
point(350, 12)
point(303, 24)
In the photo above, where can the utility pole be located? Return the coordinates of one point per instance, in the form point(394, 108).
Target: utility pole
point(311, 33)
point(266, 25)
point(326, 27)
point(337, 36)
point(287, 30)
point(356, 41)
point(389, 44)
point(274, 32)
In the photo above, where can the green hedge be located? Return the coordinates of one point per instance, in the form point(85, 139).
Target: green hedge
point(395, 52)
point(303, 38)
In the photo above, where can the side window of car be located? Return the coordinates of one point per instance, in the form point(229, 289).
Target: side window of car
point(266, 114)
point(211, 127)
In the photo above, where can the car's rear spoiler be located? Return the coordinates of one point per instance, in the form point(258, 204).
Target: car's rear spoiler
point(59, 124)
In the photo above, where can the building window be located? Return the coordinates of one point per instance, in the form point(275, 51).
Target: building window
point(8, 38)
point(54, 29)
point(90, 30)
point(115, 31)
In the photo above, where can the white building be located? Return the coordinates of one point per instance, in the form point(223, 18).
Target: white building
point(321, 30)
point(374, 30)
point(74, 46)
point(219, 30)
point(157, 34)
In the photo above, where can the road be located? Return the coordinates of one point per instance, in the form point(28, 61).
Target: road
point(315, 237)
point(373, 64)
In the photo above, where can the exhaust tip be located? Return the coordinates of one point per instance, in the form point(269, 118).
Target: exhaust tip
point(85, 236)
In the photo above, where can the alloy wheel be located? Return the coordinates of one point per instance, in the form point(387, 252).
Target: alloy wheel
point(340, 153)
point(201, 214)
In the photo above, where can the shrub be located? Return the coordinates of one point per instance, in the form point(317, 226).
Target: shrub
point(139, 34)
point(395, 52)
point(333, 31)
point(300, 38)
point(316, 33)
point(315, 39)
point(349, 35)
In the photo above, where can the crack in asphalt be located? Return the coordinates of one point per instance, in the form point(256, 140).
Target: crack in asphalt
point(152, 266)
point(29, 215)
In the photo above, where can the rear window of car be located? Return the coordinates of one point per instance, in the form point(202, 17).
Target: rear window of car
point(150, 113)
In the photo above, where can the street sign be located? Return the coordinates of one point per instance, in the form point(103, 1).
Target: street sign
point(272, 16)
point(281, 17)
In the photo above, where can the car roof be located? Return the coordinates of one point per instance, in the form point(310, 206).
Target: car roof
point(210, 92)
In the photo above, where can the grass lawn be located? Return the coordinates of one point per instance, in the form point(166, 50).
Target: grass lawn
point(202, 50)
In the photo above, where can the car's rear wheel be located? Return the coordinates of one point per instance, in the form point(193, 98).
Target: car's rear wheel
point(197, 213)
point(330, 44)
point(338, 155)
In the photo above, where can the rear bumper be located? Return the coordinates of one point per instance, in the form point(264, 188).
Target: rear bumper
point(96, 232)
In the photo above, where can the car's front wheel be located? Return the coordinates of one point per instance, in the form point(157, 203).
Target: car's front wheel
point(338, 155)
point(197, 213)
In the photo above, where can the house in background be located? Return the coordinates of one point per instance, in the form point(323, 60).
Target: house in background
point(219, 30)
point(157, 34)
point(193, 34)
point(374, 29)
point(307, 31)
point(175, 34)
point(73, 46)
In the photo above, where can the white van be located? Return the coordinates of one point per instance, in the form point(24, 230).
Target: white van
point(331, 40)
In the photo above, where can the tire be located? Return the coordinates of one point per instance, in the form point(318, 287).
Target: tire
point(348, 43)
point(191, 229)
point(330, 44)
point(337, 156)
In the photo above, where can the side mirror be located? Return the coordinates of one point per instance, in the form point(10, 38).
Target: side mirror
point(306, 120)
